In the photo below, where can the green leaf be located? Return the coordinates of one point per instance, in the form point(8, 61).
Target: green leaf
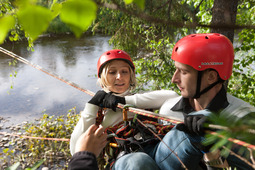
point(5, 150)
point(7, 22)
point(78, 14)
point(140, 3)
point(128, 1)
point(35, 20)
point(14, 167)
point(36, 165)
point(55, 9)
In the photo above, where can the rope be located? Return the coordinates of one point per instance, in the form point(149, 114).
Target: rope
point(46, 71)
point(32, 137)
point(134, 110)
point(236, 141)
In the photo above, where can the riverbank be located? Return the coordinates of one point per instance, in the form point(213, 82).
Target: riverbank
point(45, 139)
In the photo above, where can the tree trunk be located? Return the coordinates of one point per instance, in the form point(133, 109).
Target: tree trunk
point(223, 16)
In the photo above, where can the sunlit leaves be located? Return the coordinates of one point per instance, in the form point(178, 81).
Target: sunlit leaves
point(78, 14)
point(7, 22)
point(236, 128)
point(5, 150)
point(139, 3)
point(34, 19)
point(55, 9)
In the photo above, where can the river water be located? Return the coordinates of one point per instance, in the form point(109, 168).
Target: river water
point(34, 92)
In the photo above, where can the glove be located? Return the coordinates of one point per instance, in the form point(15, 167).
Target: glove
point(195, 123)
point(111, 101)
point(98, 98)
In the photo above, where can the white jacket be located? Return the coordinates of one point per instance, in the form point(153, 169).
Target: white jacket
point(236, 107)
point(152, 100)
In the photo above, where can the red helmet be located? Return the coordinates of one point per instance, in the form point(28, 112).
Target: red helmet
point(113, 55)
point(203, 51)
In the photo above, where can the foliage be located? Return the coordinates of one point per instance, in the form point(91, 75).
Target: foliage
point(58, 27)
point(150, 42)
point(34, 19)
point(242, 129)
point(13, 73)
point(147, 30)
point(242, 82)
point(34, 167)
point(52, 153)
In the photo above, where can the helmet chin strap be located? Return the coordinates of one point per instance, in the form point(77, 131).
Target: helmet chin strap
point(199, 78)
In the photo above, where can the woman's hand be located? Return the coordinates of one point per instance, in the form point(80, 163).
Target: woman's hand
point(111, 101)
point(98, 98)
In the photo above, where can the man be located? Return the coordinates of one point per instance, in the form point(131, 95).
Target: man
point(203, 63)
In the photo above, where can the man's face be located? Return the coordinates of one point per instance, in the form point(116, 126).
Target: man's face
point(185, 77)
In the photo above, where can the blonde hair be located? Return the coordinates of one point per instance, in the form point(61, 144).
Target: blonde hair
point(105, 84)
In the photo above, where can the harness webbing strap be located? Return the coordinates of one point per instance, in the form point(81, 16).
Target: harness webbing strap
point(100, 116)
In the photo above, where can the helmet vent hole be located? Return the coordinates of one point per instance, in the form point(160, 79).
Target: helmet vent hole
point(176, 49)
point(108, 53)
point(206, 37)
point(119, 52)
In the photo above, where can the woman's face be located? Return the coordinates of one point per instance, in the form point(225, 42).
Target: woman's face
point(118, 76)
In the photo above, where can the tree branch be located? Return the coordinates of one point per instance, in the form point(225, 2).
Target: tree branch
point(156, 20)
point(241, 158)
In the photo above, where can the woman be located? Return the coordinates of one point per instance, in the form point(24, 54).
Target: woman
point(115, 71)
point(116, 75)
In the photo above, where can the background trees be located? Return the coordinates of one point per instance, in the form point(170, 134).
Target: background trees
point(146, 29)
point(149, 36)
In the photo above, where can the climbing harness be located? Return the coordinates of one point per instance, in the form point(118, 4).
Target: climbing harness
point(131, 135)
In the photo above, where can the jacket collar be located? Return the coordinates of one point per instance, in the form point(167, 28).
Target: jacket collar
point(218, 103)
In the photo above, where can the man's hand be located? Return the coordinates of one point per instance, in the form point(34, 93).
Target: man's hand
point(93, 140)
point(195, 123)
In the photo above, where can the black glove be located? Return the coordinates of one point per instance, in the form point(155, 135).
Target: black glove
point(98, 98)
point(111, 101)
point(195, 123)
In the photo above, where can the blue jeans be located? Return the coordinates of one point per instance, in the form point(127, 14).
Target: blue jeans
point(179, 143)
point(135, 161)
point(160, 157)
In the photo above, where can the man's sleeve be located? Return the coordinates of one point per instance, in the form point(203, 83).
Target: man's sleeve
point(83, 160)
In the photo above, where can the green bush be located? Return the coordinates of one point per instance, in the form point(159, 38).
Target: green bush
point(29, 151)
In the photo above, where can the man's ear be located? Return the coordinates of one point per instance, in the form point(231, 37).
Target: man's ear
point(212, 76)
